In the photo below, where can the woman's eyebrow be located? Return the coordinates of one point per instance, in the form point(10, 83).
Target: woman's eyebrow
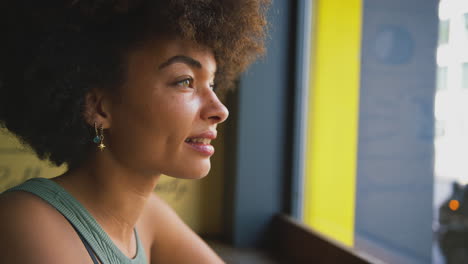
point(183, 59)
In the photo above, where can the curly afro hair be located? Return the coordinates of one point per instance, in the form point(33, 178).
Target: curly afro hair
point(54, 51)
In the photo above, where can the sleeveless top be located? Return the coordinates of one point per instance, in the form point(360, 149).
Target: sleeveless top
point(86, 226)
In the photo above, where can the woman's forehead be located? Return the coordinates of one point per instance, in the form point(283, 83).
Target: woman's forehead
point(166, 51)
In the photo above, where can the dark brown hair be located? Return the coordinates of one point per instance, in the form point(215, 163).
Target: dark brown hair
point(53, 51)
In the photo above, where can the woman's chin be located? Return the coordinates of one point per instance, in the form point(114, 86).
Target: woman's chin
point(198, 174)
point(190, 176)
point(194, 172)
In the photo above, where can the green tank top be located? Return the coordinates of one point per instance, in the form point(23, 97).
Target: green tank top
point(81, 219)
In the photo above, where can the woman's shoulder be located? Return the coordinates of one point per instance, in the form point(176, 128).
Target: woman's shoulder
point(22, 211)
point(34, 232)
point(155, 214)
point(159, 219)
point(168, 233)
point(13, 202)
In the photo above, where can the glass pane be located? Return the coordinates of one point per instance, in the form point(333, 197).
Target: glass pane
point(451, 140)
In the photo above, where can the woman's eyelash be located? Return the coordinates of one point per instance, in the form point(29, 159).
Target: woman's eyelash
point(187, 82)
point(213, 87)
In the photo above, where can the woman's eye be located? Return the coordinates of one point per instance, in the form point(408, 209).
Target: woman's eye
point(185, 82)
point(213, 87)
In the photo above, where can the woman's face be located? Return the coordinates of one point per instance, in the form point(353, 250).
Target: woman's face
point(167, 112)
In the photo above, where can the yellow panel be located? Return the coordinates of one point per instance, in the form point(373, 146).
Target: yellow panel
point(333, 119)
point(17, 163)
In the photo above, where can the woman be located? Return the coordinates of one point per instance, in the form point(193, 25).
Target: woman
point(121, 92)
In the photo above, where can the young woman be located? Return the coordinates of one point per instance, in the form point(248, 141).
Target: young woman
point(121, 91)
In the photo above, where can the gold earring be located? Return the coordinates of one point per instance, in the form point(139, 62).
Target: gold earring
point(99, 138)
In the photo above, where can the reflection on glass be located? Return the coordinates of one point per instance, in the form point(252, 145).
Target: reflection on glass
point(451, 141)
point(453, 228)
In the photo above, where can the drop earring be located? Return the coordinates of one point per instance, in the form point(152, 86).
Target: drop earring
point(99, 138)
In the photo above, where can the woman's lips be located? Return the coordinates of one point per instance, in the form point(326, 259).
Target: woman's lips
point(205, 149)
point(202, 142)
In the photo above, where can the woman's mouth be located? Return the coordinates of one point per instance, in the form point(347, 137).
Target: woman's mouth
point(201, 145)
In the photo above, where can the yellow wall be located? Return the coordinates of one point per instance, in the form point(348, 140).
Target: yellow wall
point(333, 119)
point(198, 202)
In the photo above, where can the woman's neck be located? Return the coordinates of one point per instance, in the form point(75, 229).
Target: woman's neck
point(114, 195)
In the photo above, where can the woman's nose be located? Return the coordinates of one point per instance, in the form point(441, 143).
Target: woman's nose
point(214, 110)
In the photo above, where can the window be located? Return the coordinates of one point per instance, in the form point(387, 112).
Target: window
point(464, 76)
point(439, 129)
point(442, 78)
point(465, 17)
point(444, 28)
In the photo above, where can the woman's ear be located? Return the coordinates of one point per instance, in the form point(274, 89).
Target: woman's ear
point(97, 108)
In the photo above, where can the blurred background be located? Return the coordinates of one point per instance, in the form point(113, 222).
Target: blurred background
point(353, 126)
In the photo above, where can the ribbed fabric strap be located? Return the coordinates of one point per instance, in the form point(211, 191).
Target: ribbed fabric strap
point(82, 220)
point(91, 253)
